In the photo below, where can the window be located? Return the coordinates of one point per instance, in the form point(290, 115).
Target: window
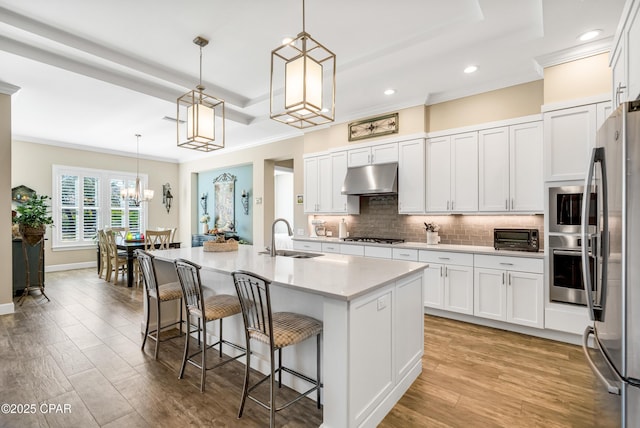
point(85, 200)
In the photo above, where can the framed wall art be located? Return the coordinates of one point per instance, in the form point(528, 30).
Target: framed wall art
point(225, 211)
point(374, 127)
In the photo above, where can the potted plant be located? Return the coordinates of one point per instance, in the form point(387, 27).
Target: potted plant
point(432, 233)
point(205, 223)
point(33, 218)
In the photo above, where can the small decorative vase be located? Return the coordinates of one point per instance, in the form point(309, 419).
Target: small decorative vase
point(432, 238)
point(205, 228)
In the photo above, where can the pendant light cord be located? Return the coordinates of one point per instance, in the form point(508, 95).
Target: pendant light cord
point(138, 155)
point(303, 26)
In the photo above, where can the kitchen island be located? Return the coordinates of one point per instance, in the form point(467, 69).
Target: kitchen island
point(373, 341)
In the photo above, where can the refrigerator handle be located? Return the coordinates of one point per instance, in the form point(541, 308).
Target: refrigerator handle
point(611, 389)
point(596, 311)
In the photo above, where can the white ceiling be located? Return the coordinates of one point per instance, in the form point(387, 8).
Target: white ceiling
point(93, 73)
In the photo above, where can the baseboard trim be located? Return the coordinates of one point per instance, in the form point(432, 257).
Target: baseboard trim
point(558, 336)
point(70, 266)
point(7, 308)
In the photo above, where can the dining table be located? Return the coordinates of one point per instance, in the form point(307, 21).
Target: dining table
point(130, 247)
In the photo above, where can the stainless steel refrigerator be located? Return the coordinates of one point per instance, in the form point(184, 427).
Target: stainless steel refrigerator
point(613, 290)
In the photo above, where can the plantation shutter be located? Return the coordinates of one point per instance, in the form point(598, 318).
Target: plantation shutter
point(69, 203)
point(91, 207)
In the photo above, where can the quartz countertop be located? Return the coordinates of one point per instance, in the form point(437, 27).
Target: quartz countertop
point(331, 275)
point(475, 249)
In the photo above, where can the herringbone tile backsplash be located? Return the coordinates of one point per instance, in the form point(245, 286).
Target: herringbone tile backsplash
point(379, 217)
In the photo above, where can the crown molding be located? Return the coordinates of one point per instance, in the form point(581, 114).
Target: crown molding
point(8, 88)
point(575, 53)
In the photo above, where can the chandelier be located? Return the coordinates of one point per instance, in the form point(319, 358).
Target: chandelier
point(197, 114)
point(303, 81)
point(137, 194)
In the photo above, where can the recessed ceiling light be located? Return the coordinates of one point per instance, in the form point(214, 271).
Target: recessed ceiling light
point(589, 35)
point(471, 69)
point(389, 91)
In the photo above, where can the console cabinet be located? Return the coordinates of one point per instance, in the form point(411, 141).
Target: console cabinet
point(20, 268)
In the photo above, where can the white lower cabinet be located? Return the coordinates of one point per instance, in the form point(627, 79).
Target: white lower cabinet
point(448, 281)
point(509, 289)
point(307, 245)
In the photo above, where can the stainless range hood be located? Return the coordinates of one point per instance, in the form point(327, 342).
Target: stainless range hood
point(378, 179)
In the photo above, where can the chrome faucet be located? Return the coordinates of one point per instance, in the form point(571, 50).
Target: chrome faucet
point(272, 250)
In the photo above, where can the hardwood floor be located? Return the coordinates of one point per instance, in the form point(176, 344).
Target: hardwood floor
point(82, 349)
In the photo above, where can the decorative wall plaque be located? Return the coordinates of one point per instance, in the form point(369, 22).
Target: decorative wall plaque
point(374, 127)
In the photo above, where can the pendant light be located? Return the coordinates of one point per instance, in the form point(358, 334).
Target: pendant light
point(197, 114)
point(137, 194)
point(303, 81)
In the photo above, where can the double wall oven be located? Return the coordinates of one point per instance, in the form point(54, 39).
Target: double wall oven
point(565, 244)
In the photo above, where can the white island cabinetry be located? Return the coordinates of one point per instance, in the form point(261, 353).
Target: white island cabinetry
point(372, 314)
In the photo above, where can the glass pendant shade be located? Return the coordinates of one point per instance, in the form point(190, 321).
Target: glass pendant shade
point(137, 194)
point(303, 86)
point(197, 116)
point(303, 79)
point(197, 121)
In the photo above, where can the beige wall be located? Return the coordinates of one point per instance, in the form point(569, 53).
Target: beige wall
point(410, 121)
point(31, 166)
point(501, 104)
point(262, 158)
point(577, 79)
point(6, 279)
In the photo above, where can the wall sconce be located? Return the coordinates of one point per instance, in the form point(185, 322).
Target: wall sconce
point(245, 201)
point(167, 197)
point(203, 202)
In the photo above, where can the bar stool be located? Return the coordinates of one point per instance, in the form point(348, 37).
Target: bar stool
point(162, 293)
point(278, 330)
point(212, 308)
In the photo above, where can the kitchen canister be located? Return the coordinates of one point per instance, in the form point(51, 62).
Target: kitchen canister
point(342, 230)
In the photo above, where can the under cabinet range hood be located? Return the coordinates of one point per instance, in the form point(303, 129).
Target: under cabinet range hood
point(371, 179)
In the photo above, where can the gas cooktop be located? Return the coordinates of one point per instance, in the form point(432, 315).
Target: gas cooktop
point(374, 240)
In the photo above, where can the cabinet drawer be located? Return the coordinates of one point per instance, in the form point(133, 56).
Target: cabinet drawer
point(330, 248)
point(520, 264)
point(379, 252)
point(352, 250)
point(306, 245)
point(405, 254)
point(446, 257)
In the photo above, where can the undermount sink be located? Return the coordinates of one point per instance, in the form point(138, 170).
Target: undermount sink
point(294, 254)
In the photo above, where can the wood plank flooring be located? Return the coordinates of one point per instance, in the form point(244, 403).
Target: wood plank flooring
point(82, 349)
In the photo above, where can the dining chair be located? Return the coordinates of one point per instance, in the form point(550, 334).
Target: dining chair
point(120, 232)
point(216, 307)
point(160, 294)
point(278, 330)
point(118, 262)
point(157, 240)
point(105, 260)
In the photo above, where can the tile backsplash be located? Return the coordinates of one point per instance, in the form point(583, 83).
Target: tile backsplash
point(379, 217)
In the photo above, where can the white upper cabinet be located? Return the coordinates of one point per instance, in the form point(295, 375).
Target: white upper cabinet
point(452, 173)
point(464, 180)
point(569, 136)
point(438, 174)
point(493, 163)
point(381, 153)
point(323, 179)
point(625, 61)
point(411, 176)
point(341, 204)
point(526, 185)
